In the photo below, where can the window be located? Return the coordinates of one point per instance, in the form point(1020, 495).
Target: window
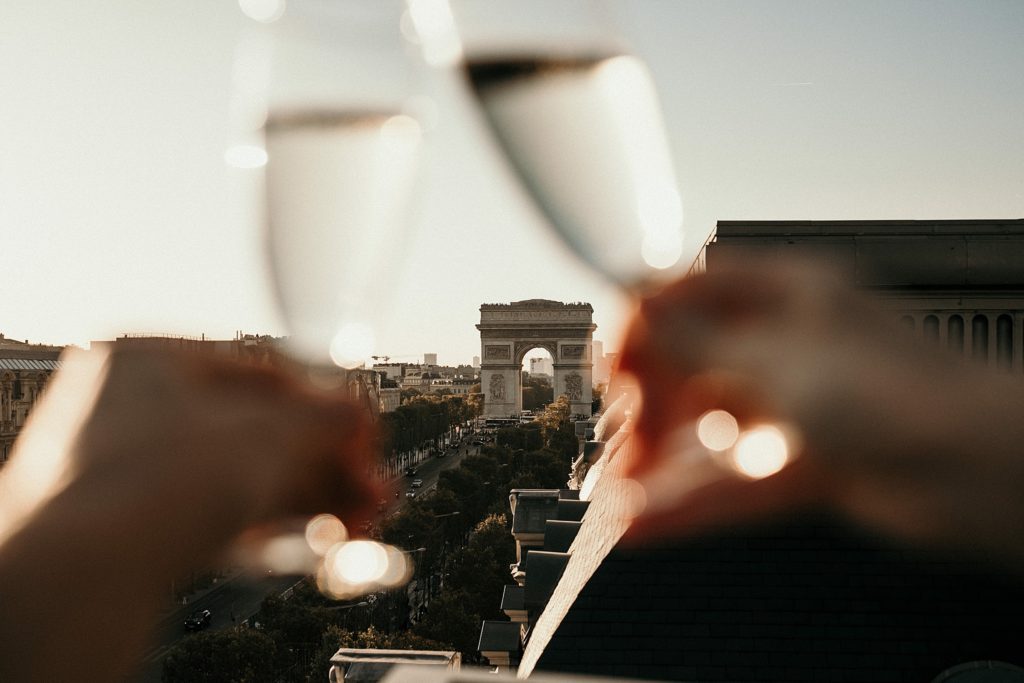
point(979, 338)
point(1004, 342)
point(955, 334)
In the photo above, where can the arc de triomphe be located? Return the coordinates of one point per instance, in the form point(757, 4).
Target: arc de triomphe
point(509, 331)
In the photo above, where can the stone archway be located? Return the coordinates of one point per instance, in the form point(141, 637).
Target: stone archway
point(509, 331)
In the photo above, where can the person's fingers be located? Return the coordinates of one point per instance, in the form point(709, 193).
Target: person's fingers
point(726, 499)
point(339, 459)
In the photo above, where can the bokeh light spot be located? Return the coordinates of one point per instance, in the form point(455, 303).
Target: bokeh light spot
point(263, 11)
point(360, 562)
point(661, 251)
point(760, 452)
point(435, 30)
point(634, 498)
point(324, 531)
point(717, 430)
point(352, 345)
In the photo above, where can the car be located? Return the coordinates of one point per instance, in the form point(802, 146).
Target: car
point(410, 471)
point(417, 483)
point(478, 442)
point(411, 493)
point(198, 620)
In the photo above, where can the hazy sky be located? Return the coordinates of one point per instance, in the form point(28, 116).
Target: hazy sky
point(117, 212)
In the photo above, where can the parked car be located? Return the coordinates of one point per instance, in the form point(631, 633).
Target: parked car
point(198, 620)
point(410, 471)
point(411, 493)
point(417, 483)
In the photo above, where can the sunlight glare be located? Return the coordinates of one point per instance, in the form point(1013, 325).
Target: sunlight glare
point(352, 345)
point(717, 430)
point(760, 452)
point(324, 531)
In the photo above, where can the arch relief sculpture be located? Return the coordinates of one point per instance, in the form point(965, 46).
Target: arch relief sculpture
point(498, 387)
point(574, 386)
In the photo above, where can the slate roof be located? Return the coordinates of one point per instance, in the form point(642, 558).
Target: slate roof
point(533, 509)
point(559, 534)
point(28, 364)
point(512, 598)
point(542, 576)
point(571, 510)
point(499, 636)
point(807, 598)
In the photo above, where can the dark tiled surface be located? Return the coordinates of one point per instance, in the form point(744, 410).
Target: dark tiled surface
point(541, 578)
point(499, 636)
point(571, 510)
point(806, 599)
point(512, 598)
point(559, 535)
point(533, 509)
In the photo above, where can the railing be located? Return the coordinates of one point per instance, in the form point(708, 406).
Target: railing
point(160, 335)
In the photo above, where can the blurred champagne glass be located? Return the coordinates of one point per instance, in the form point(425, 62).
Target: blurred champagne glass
point(578, 118)
point(341, 164)
point(328, 83)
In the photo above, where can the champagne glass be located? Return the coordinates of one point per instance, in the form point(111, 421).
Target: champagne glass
point(341, 164)
point(328, 82)
point(577, 116)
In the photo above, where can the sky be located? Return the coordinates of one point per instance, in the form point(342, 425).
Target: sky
point(118, 213)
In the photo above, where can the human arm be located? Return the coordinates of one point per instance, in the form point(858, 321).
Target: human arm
point(898, 436)
point(138, 466)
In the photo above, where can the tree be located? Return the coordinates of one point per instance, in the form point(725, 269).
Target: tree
point(537, 392)
point(236, 656)
point(448, 620)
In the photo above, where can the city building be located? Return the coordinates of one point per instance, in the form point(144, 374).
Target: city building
point(541, 366)
point(476, 362)
point(805, 596)
point(430, 359)
point(25, 370)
